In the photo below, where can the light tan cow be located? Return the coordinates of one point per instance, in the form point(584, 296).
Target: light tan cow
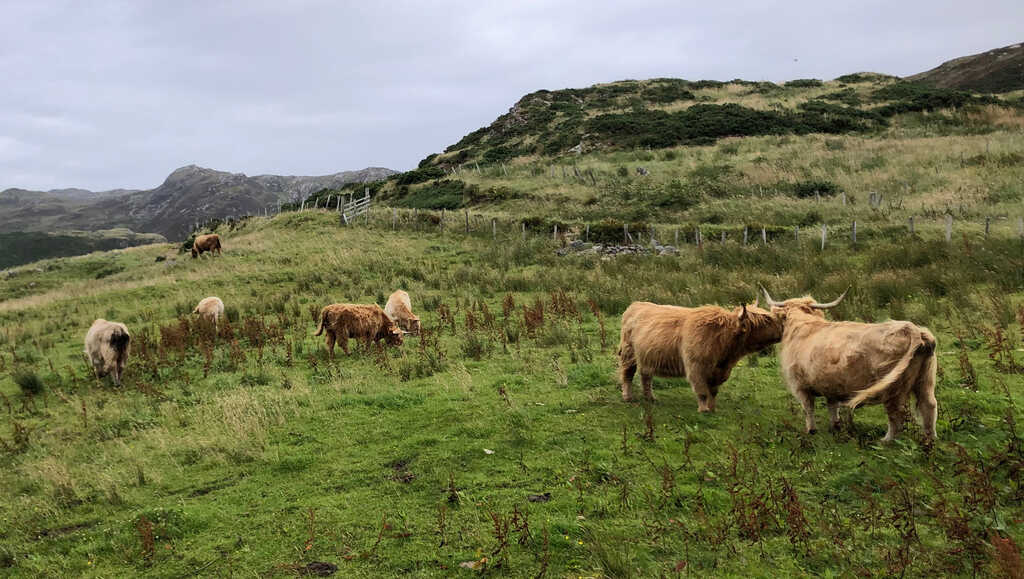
point(210, 309)
point(107, 345)
point(703, 344)
point(399, 308)
point(854, 363)
point(366, 322)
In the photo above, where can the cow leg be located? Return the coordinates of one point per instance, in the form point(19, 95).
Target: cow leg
point(330, 343)
point(343, 338)
point(648, 382)
point(807, 401)
point(894, 408)
point(627, 369)
point(705, 399)
point(833, 414)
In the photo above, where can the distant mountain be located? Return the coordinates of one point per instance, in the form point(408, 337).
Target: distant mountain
point(998, 70)
point(187, 195)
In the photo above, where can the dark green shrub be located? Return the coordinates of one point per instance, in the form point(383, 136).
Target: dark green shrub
point(677, 195)
point(805, 189)
point(29, 382)
point(804, 83)
point(420, 175)
point(667, 91)
point(446, 194)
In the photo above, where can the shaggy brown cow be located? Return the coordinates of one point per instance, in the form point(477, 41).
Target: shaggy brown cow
point(703, 344)
point(854, 363)
point(399, 308)
point(210, 242)
point(106, 346)
point(365, 322)
point(210, 309)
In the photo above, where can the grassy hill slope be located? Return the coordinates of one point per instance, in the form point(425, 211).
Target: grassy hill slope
point(997, 70)
point(251, 452)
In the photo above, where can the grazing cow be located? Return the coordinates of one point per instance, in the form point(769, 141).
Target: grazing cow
point(210, 242)
point(106, 346)
point(703, 344)
point(399, 308)
point(854, 363)
point(366, 322)
point(210, 309)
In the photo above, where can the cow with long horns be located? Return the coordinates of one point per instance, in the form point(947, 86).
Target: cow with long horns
point(855, 363)
point(703, 344)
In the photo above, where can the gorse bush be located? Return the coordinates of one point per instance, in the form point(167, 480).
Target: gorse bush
point(29, 383)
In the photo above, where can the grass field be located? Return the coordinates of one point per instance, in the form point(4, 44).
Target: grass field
point(499, 438)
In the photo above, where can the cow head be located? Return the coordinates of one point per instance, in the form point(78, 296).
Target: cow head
point(195, 252)
point(759, 327)
point(393, 335)
point(414, 326)
point(806, 305)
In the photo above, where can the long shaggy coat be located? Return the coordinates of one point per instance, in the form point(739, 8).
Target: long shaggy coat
point(210, 309)
point(210, 242)
point(702, 344)
point(399, 308)
point(854, 363)
point(107, 345)
point(365, 322)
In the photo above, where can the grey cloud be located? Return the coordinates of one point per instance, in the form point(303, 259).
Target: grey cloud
point(118, 93)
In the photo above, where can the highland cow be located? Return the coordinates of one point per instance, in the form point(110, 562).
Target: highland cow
point(210, 242)
point(210, 309)
point(364, 322)
point(703, 344)
point(399, 309)
point(854, 363)
point(107, 345)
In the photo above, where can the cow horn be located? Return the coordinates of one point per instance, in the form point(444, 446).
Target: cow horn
point(832, 303)
point(768, 297)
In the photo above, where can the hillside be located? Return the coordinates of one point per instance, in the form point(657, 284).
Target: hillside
point(798, 154)
point(189, 194)
point(499, 438)
point(27, 246)
point(997, 71)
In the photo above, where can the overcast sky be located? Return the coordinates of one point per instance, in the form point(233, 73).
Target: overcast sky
point(105, 94)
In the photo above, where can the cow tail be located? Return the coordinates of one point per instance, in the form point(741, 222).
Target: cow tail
point(320, 326)
point(917, 345)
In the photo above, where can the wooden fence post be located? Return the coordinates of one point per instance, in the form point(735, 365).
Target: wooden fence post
point(796, 233)
point(1020, 227)
point(910, 223)
point(844, 198)
point(676, 243)
point(949, 227)
point(524, 231)
point(586, 236)
point(494, 228)
point(696, 238)
point(744, 235)
point(987, 220)
point(467, 221)
point(625, 233)
point(824, 232)
point(853, 233)
point(764, 236)
point(303, 208)
point(554, 234)
point(723, 237)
